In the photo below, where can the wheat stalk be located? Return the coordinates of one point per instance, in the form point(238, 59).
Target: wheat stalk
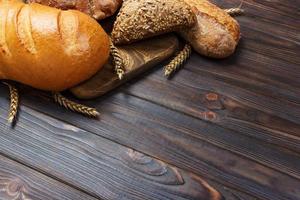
point(118, 61)
point(234, 11)
point(76, 107)
point(178, 61)
point(14, 103)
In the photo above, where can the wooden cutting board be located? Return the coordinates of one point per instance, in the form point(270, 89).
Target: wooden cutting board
point(138, 58)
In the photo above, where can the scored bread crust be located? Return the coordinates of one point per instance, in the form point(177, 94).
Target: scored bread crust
point(216, 34)
point(47, 48)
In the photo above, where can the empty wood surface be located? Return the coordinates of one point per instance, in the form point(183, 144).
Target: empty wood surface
point(219, 128)
point(96, 165)
point(20, 182)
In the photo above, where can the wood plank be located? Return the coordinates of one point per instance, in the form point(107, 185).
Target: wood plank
point(287, 110)
point(252, 76)
point(137, 58)
point(187, 142)
point(278, 10)
point(20, 182)
point(232, 194)
point(193, 98)
point(93, 164)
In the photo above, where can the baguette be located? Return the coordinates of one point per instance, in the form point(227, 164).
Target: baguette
point(47, 48)
point(216, 34)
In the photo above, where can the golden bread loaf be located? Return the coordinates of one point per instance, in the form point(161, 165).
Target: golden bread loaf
point(216, 34)
point(47, 48)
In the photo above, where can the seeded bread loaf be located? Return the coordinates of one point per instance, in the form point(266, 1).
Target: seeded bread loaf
point(140, 19)
point(47, 48)
point(99, 9)
point(216, 34)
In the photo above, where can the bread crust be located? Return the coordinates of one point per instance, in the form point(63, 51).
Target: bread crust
point(219, 15)
point(141, 19)
point(47, 48)
point(216, 34)
point(99, 9)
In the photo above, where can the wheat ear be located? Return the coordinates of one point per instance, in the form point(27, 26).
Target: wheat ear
point(178, 61)
point(234, 11)
point(118, 61)
point(14, 103)
point(76, 107)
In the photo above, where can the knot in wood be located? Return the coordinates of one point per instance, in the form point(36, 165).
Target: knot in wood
point(212, 96)
point(210, 115)
point(138, 157)
point(154, 169)
point(15, 187)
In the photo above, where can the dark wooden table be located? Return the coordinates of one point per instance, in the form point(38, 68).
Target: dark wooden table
point(234, 123)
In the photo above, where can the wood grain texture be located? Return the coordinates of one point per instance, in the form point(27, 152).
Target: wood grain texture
point(137, 58)
point(20, 182)
point(230, 113)
point(198, 146)
point(95, 165)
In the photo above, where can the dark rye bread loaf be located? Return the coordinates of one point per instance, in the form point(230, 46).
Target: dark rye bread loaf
point(140, 19)
point(99, 9)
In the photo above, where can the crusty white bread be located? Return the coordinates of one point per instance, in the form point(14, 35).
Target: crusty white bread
point(47, 48)
point(216, 34)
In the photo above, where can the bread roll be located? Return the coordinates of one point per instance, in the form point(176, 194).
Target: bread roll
point(47, 48)
point(99, 9)
point(216, 34)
